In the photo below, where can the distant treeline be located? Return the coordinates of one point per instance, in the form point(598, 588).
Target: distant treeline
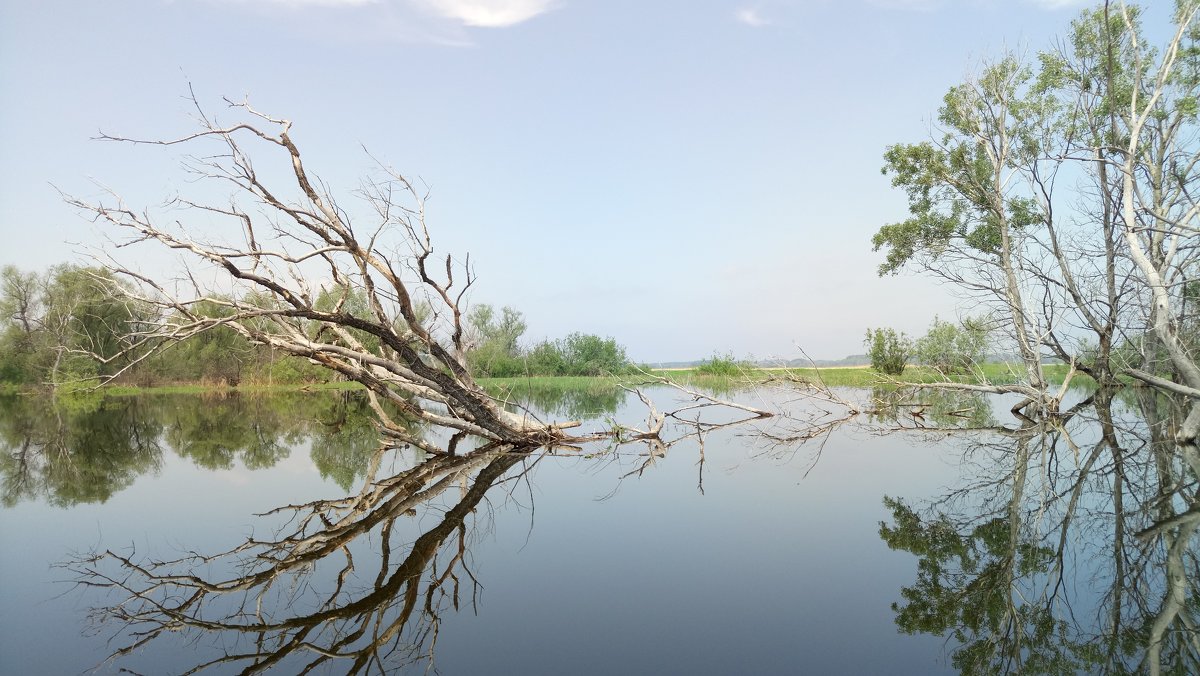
point(497, 351)
point(72, 325)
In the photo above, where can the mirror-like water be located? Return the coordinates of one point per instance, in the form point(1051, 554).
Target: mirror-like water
point(878, 546)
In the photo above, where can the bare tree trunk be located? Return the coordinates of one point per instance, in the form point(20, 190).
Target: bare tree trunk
point(1159, 239)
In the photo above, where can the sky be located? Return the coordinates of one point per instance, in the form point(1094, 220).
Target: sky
point(689, 177)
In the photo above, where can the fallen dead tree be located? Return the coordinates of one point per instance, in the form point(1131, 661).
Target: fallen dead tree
point(369, 299)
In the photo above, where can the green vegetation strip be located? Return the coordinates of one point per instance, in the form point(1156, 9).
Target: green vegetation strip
point(832, 376)
point(129, 390)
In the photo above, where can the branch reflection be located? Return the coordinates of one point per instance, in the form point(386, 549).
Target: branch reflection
point(325, 588)
point(1070, 546)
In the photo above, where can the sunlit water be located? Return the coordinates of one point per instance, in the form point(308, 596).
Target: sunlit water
point(764, 558)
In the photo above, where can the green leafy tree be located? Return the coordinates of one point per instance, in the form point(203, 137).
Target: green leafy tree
point(585, 354)
point(968, 217)
point(348, 300)
point(20, 312)
point(1076, 266)
point(90, 319)
point(953, 348)
point(546, 359)
point(71, 323)
point(888, 350)
point(496, 338)
point(218, 354)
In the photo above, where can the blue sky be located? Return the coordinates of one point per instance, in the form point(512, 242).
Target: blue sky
point(687, 177)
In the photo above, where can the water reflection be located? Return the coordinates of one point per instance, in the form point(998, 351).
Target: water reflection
point(908, 408)
point(74, 451)
point(255, 431)
point(326, 588)
point(1069, 547)
point(1066, 546)
point(595, 399)
point(79, 450)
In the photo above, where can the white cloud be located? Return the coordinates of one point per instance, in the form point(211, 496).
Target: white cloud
point(490, 13)
point(751, 17)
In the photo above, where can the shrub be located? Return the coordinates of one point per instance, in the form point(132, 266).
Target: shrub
point(888, 350)
point(721, 365)
point(953, 348)
point(585, 354)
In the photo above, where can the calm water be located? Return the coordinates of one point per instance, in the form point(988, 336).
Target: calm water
point(864, 550)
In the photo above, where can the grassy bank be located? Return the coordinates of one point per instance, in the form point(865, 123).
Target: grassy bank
point(10, 389)
point(863, 377)
point(831, 376)
point(126, 390)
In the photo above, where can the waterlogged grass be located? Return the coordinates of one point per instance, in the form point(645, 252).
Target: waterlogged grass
point(508, 388)
point(996, 374)
point(564, 398)
point(130, 390)
point(726, 380)
point(563, 382)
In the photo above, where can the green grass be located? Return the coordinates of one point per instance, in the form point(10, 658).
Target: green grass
point(555, 381)
point(996, 373)
point(130, 390)
point(860, 377)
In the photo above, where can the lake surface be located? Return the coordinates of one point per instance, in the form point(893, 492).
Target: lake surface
point(878, 545)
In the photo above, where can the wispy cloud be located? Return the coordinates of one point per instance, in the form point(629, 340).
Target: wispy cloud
point(490, 13)
point(751, 16)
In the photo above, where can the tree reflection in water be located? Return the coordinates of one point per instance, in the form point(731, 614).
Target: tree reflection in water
point(86, 449)
point(274, 607)
point(1070, 546)
point(74, 451)
point(325, 587)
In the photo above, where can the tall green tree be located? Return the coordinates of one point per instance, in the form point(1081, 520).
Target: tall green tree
point(969, 211)
point(20, 312)
point(218, 354)
point(71, 323)
point(495, 340)
point(1061, 196)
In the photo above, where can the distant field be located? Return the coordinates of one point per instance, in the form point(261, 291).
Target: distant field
point(863, 376)
point(834, 376)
